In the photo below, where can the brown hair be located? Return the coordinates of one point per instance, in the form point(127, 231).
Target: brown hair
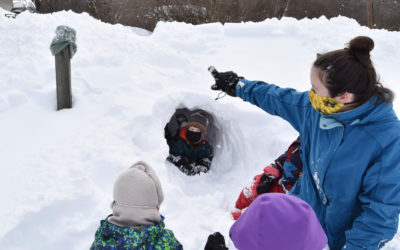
point(351, 70)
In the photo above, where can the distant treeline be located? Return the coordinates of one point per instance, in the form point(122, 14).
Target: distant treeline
point(145, 14)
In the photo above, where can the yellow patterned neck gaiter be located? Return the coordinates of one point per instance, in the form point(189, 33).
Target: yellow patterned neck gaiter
point(323, 104)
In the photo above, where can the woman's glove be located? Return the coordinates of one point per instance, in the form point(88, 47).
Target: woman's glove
point(226, 81)
point(215, 241)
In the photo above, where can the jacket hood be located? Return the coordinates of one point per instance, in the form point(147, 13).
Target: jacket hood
point(372, 110)
point(280, 222)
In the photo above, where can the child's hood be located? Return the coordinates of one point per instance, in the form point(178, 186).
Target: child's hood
point(278, 221)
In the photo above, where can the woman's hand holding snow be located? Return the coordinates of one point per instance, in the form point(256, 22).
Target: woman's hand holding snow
point(226, 81)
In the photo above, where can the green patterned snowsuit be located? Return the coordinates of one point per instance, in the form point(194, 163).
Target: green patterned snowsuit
point(112, 237)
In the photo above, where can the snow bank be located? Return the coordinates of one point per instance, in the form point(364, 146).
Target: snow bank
point(59, 167)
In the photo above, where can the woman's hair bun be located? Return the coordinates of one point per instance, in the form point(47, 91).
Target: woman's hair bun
point(361, 44)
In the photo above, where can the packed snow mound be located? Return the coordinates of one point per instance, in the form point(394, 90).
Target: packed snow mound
point(59, 167)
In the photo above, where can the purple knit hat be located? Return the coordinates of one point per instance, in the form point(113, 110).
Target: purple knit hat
point(279, 222)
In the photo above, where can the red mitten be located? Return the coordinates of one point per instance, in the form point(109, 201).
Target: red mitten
point(248, 194)
point(236, 214)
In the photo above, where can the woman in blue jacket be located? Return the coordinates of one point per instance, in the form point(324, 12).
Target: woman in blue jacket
point(350, 139)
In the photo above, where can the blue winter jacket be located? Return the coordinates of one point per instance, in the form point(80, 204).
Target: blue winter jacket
point(351, 164)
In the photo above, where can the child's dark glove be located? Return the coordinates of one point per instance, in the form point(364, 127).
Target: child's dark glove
point(181, 162)
point(226, 81)
point(271, 173)
point(184, 165)
point(265, 184)
point(204, 162)
point(215, 241)
point(178, 160)
point(188, 169)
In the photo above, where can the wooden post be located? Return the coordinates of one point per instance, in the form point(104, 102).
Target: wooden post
point(63, 79)
point(370, 14)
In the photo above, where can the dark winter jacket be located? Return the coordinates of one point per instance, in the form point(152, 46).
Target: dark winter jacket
point(112, 237)
point(351, 164)
point(191, 158)
point(181, 147)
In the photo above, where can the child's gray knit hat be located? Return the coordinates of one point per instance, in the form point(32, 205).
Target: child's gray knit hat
point(137, 197)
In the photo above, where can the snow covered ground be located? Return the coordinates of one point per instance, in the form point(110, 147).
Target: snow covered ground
point(58, 168)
